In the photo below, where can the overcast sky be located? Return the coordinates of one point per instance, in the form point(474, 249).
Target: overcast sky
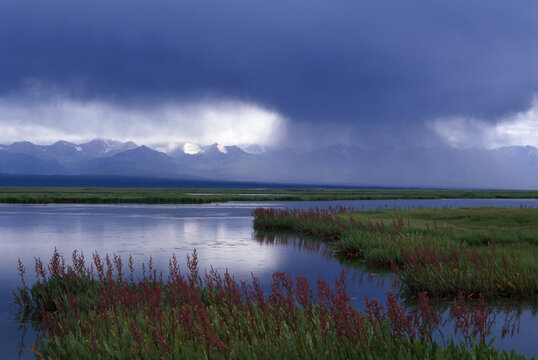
point(283, 73)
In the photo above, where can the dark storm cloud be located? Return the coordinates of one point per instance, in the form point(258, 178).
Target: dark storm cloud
point(363, 65)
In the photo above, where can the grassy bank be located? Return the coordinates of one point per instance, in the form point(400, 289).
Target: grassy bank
point(30, 195)
point(101, 312)
point(489, 251)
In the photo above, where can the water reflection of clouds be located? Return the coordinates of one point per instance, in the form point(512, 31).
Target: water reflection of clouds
point(190, 227)
point(293, 241)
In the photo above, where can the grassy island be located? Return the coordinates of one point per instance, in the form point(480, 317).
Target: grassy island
point(488, 251)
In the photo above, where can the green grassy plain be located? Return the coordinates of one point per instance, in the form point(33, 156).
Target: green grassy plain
point(473, 226)
point(35, 195)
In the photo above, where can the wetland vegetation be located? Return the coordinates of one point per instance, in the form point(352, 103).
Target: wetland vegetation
point(488, 251)
point(36, 195)
point(100, 311)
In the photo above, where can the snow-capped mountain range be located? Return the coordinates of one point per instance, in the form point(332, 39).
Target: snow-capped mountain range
point(63, 150)
point(509, 167)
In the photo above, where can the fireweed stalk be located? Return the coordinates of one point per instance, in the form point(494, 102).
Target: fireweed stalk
point(424, 259)
point(94, 311)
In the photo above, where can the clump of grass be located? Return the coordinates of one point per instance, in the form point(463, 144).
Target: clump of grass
point(432, 256)
point(448, 272)
point(98, 312)
point(314, 221)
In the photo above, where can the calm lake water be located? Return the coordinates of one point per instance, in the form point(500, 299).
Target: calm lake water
point(223, 237)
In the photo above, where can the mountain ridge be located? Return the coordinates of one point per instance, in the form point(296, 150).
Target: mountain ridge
point(508, 167)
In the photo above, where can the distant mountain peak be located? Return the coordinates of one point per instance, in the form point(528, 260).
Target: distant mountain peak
point(106, 147)
point(21, 143)
point(63, 143)
point(215, 149)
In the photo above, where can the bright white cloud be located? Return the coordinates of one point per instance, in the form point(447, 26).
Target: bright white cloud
point(191, 149)
point(517, 129)
point(44, 120)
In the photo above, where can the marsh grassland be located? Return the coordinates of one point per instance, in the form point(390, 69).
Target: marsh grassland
point(100, 311)
point(488, 251)
point(37, 195)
